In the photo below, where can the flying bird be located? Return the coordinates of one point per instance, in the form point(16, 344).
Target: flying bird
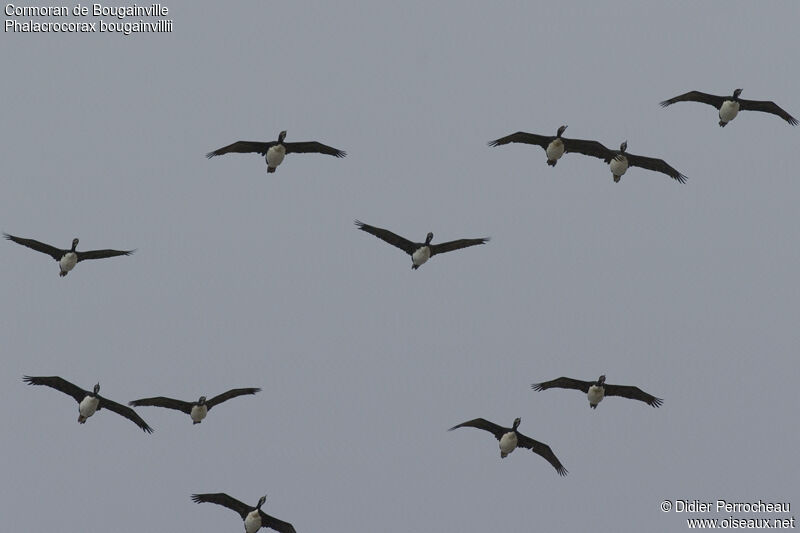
point(729, 106)
point(196, 410)
point(88, 402)
point(274, 151)
point(67, 259)
point(419, 252)
point(597, 390)
point(620, 160)
point(254, 518)
point(511, 439)
point(554, 147)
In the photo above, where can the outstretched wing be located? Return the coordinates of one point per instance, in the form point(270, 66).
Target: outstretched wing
point(100, 254)
point(125, 411)
point(163, 401)
point(658, 165)
point(482, 423)
point(233, 393)
point(386, 235)
point(696, 96)
point(634, 393)
point(523, 137)
point(274, 523)
point(767, 107)
point(542, 449)
point(307, 147)
point(220, 498)
point(58, 383)
point(243, 147)
point(443, 247)
point(52, 251)
point(585, 147)
point(563, 383)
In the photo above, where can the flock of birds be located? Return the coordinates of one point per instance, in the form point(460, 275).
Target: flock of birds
point(89, 402)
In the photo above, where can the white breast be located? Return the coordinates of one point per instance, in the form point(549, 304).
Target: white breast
point(88, 406)
point(728, 110)
point(618, 167)
point(199, 412)
point(275, 155)
point(508, 442)
point(68, 262)
point(555, 149)
point(252, 521)
point(421, 255)
point(596, 394)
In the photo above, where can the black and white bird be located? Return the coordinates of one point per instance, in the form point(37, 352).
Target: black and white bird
point(619, 161)
point(510, 439)
point(729, 106)
point(67, 259)
point(196, 410)
point(597, 390)
point(274, 151)
point(419, 252)
point(554, 147)
point(89, 402)
point(254, 518)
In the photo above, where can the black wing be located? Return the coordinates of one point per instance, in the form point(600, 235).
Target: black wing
point(482, 423)
point(767, 107)
point(59, 384)
point(243, 147)
point(658, 165)
point(125, 411)
point(100, 254)
point(542, 449)
point(162, 401)
point(233, 393)
point(581, 146)
point(523, 137)
point(386, 235)
point(563, 383)
point(274, 523)
point(307, 147)
point(634, 393)
point(696, 96)
point(443, 247)
point(52, 251)
point(220, 498)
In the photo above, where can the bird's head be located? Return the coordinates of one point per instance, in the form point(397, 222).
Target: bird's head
point(561, 130)
point(601, 379)
point(623, 146)
point(736, 93)
point(74, 243)
point(281, 136)
point(261, 501)
point(429, 238)
point(96, 385)
point(201, 401)
point(516, 423)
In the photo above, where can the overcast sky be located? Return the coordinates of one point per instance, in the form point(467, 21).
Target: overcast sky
point(243, 279)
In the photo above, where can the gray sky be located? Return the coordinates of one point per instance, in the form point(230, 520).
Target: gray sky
point(246, 279)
